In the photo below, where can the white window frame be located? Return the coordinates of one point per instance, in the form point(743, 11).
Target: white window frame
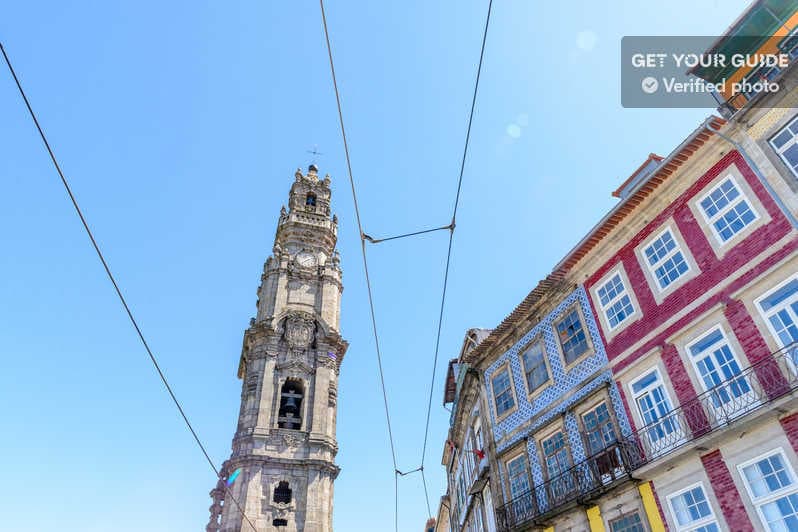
point(758, 502)
point(490, 517)
point(538, 341)
point(722, 410)
point(635, 395)
point(520, 456)
point(704, 521)
point(607, 279)
point(710, 220)
point(652, 268)
point(767, 314)
point(793, 142)
point(504, 367)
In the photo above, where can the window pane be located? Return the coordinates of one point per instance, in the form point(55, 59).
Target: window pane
point(782, 138)
point(535, 366)
point(657, 250)
point(572, 336)
point(767, 475)
point(791, 156)
point(780, 295)
point(556, 453)
point(599, 429)
point(619, 311)
point(782, 514)
point(645, 382)
point(628, 523)
point(734, 220)
point(691, 506)
point(502, 392)
point(671, 269)
point(519, 481)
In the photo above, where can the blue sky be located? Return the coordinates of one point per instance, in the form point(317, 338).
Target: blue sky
point(180, 125)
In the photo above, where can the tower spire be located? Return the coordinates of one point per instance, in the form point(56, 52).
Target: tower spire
point(285, 442)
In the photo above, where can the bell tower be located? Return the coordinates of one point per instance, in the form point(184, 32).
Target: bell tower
point(284, 445)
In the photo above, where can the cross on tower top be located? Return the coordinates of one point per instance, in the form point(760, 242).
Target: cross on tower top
point(315, 152)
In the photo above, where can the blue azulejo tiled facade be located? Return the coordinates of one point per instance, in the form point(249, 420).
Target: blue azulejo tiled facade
point(566, 387)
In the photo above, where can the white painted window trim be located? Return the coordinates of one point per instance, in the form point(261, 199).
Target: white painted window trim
point(725, 336)
point(780, 151)
point(758, 502)
point(661, 382)
point(710, 221)
point(505, 366)
point(766, 315)
point(519, 456)
point(704, 521)
point(605, 319)
point(652, 268)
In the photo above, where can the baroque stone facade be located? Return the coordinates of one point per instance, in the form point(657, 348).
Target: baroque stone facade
point(285, 442)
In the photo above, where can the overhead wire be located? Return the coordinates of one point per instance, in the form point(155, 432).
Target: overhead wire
point(364, 238)
point(111, 277)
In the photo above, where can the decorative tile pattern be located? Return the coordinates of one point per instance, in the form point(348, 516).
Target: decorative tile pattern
point(578, 381)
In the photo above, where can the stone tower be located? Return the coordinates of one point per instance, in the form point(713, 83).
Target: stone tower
point(285, 443)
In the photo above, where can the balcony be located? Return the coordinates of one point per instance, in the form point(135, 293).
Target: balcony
point(750, 391)
point(580, 484)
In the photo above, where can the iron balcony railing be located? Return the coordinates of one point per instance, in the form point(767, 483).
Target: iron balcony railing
point(580, 483)
point(728, 402)
point(741, 394)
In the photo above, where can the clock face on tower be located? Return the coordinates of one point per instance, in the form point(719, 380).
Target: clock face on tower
point(305, 259)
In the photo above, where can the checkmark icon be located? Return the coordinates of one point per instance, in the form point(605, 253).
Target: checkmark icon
point(650, 85)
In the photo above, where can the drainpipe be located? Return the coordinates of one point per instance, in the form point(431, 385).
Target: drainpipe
point(784, 210)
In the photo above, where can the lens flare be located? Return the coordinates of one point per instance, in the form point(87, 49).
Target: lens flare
point(232, 478)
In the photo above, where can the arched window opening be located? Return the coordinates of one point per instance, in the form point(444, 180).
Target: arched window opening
point(282, 493)
point(290, 415)
point(280, 522)
point(310, 200)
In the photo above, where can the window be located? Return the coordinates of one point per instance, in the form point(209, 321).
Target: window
point(290, 414)
point(790, 44)
point(572, 336)
point(785, 142)
point(282, 493)
point(780, 309)
point(310, 200)
point(470, 457)
point(615, 301)
point(665, 260)
point(654, 406)
point(719, 370)
point(477, 522)
point(754, 79)
point(502, 392)
point(773, 489)
point(727, 209)
point(462, 494)
point(279, 522)
point(627, 523)
point(691, 510)
point(537, 374)
point(518, 477)
point(555, 454)
point(599, 428)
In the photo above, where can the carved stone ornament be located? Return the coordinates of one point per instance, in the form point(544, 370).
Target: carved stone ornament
point(292, 441)
point(299, 330)
point(327, 360)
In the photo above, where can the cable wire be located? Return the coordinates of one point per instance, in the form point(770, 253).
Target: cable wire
point(114, 283)
point(364, 238)
point(360, 231)
point(451, 238)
